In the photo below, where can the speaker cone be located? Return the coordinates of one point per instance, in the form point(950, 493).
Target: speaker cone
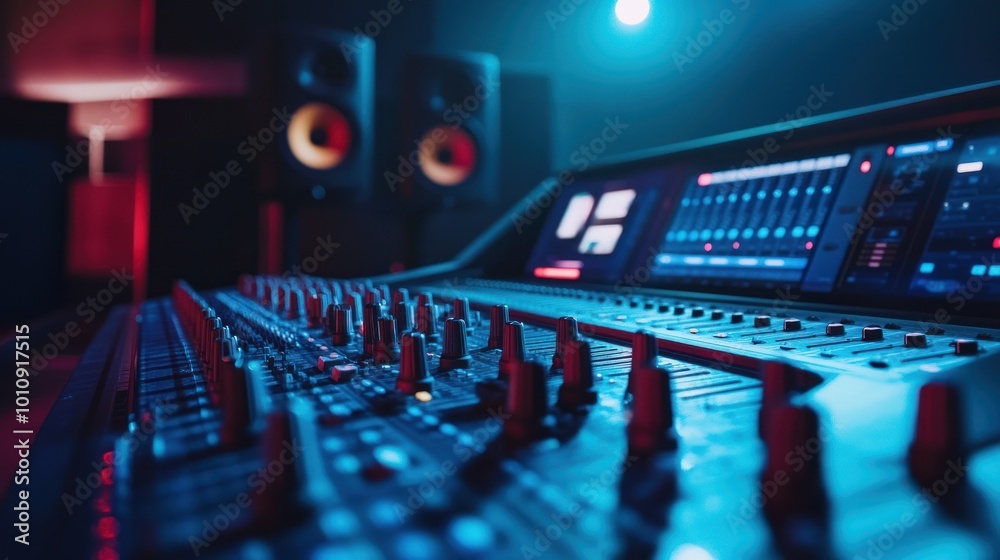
point(447, 155)
point(319, 136)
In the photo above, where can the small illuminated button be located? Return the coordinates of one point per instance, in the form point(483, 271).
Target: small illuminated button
point(915, 340)
point(698, 312)
point(717, 314)
point(679, 310)
point(793, 325)
point(871, 334)
point(762, 321)
point(835, 329)
point(737, 317)
point(965, 347)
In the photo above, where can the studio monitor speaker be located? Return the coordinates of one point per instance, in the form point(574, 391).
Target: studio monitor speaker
point(450, 129)
point(326, 80)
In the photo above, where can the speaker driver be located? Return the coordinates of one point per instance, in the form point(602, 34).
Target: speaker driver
point(319, 136)
point(452, 158)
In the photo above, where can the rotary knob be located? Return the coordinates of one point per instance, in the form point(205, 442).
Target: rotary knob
point(425, 322)
point(644, 352)
point(513, 347)
point(386, 347)
point(402, 312)
point(937, 438)
point(499, 317)
point(413, 376)
point(455, 353)
point(577, 388)
point(369, 328)
point(872, 334)
point(835, 329)
point(794, 431)
point(776, 378)
point(527, 401)
point(567, 332)
point(651, 427)
point(460, 310)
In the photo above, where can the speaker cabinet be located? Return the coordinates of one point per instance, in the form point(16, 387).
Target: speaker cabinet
point(450, 129)
point(326, 81)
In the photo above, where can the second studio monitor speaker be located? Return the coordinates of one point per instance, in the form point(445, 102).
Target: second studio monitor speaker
point(450, 128)
point(326, 80)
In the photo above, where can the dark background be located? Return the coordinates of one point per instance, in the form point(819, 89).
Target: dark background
point(756, 70)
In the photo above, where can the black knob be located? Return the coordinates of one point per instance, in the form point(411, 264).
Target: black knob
point(679, 310)
point(413, 376)
point(736, 317)
point(460, 310)
point(915, 340)
point(402, 312)
point(698, 312)
point(426, 323)
point(965, 347)
point(341, 325)
point(567, 331)
point(793, 325)
point(369, 328)
point(717, 314)
point(455, 353)
point(835, 329)
point(499, 316)
point(527, 401)
point(513, 347)
point(651, 427)
point(761, 321)
point(871, 334)
point(386, 347)
point(577, 388)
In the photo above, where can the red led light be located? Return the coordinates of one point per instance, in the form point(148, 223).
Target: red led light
point(866, 166)
point(705, 179)
point(107, 528)
point(996, 242)
point(890, 150)
point(708, 246)
point(557, 273)
point(736, 245)
point(809, 245)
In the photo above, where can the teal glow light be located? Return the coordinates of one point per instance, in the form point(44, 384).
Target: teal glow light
point(632, 12)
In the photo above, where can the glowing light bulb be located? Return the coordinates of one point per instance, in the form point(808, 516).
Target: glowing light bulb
point(632, 12)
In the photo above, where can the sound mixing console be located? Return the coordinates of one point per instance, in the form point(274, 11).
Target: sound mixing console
point(668, 357)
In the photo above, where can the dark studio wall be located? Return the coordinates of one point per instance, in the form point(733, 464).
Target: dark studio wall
point(753, 71)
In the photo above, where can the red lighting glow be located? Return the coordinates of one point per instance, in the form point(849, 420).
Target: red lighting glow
point(866, 166)
point(708, 246)
point(107, 528)
point(890, 150)
point(996, 242)
point(557, 273)
point(809, 245)
point(736, 245)
point(705, 179)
